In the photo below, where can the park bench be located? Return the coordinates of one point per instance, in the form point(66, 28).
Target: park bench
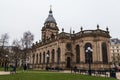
point(93, 72)
point(102, 72)
point(83, 71)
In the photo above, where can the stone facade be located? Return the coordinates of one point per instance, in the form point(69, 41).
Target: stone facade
point(115, 52)
point(66, 50)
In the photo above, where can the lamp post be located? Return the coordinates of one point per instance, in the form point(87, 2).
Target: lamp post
point(6, 66)
point(27, 62)
point(47, 56)
point(89, 52)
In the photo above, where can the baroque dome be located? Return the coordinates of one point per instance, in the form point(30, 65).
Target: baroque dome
point(50, 18)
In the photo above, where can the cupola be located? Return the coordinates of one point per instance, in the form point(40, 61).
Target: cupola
point(50, 18)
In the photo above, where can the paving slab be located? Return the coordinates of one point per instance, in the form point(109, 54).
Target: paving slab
point(4, 73)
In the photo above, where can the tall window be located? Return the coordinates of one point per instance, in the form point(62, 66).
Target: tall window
point(58, 58)
point(44, 58)
point(48, 58)
point(77, 54)
point(53, 56)
point(37, 59)
point(104, 53)
point(88, 55)
point(40, 58)
point(33, 58)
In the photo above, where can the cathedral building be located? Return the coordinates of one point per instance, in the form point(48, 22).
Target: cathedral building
point(66, 50)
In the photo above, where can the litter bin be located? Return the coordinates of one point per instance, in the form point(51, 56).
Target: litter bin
point(113, 73)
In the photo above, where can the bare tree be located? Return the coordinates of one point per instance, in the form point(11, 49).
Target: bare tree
point(27, 41)
point(3, 43)
point(4, 39)
point(16, 55)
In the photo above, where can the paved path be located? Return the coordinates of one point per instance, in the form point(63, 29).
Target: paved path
point(118, 75)
point(4, 73)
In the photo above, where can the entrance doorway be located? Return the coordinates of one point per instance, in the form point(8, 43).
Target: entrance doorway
point(68, 62)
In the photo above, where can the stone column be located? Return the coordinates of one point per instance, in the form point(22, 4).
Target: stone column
point(100, 55)
point(82, 53)
point(108, 52)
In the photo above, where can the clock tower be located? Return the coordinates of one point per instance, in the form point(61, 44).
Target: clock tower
point(50, 29)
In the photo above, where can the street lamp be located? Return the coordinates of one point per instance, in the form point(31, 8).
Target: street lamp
point(27, 62)
point(6, 66)
point(47, 56)
point(6, 56)
point(89, 52)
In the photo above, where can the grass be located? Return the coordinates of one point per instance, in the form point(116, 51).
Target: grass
point(10, 68)
point(38, 75)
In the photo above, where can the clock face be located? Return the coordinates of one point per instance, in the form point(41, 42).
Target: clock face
point(68, 46)
point(52, 25)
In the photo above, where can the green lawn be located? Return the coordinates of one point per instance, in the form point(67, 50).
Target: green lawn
point(38, 75)
point(10, 68)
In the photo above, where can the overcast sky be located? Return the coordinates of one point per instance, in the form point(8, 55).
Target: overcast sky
point(19, 16)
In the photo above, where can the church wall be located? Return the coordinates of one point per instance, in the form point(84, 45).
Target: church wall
point(96, 46)
point(67, 43)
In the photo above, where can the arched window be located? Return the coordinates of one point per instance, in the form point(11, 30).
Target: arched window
point(87, 55)
point(44, 58)
point(68, 46)
point(58, 56)
point(77, 54)
point(40, 58)
point(52, 36)
point(48, 58)
point(53, 56)
point(104, 53)
point(37, 59)
point(33, 58)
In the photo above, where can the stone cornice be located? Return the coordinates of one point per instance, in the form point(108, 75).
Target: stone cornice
point(68, 36)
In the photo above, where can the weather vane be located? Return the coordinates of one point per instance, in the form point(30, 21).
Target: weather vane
point(50, 6)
